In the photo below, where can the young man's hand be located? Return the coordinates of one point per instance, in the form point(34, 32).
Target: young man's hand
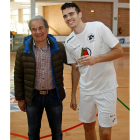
point(87, 60)
point(73, 103)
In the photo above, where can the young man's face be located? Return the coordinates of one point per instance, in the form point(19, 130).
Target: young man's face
point(39, 31)
point(71, 18)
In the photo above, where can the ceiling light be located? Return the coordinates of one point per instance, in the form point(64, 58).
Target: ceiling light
point(92, 11)
point(25, 5)
point(22, 1)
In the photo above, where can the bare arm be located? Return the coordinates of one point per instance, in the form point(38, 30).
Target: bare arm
point(115, 53)
point(75, 79)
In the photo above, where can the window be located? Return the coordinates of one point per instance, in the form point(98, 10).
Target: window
point(36, 11)
point(26, 11)
point(14, 20)
point(26, 18)
point(21, 28)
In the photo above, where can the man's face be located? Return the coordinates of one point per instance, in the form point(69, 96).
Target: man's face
point(39, 31)
point(71, 18)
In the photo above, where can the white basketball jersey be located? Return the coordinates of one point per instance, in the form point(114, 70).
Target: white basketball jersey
point(95, 39)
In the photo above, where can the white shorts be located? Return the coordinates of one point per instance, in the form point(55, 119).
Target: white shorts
point(106, 104)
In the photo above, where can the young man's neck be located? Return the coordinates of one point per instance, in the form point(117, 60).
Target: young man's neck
point(79, 28)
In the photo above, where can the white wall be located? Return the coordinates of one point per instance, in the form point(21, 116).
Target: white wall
point(126, 44)
point(40, 10)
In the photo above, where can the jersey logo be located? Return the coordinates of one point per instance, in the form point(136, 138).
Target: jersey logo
point(85, 51)
point(69, 39)
point(91, 38)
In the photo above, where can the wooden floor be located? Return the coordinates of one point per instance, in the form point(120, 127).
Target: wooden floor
point(19, 128)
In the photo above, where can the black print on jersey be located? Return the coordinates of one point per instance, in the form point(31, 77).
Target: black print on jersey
point(76, 47)
point(69, 39)
point(86, 51)
point(91, 37)
point(112, 115)
point(114, 119)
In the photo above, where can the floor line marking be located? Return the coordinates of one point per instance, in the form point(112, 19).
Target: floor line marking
point(49, 134)
point(21, 136)
point(123, 104)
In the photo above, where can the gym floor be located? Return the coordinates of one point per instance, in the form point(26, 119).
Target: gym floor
point(72, 128)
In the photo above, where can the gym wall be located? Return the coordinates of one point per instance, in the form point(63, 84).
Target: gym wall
point(103, 11)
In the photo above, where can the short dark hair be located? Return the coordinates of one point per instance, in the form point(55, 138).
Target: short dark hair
point(67, 5)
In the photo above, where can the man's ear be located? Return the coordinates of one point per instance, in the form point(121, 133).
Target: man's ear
point(80, 14)
point(48, 29)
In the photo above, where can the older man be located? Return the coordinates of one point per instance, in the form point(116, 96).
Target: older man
point(38, 77)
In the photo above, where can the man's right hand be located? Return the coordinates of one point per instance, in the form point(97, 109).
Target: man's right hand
point(73, 104)
point(22, 105)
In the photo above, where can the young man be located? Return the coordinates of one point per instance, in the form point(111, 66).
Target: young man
point(90, 49)
point(38, 78)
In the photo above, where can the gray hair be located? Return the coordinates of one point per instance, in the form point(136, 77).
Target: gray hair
point(36, 18)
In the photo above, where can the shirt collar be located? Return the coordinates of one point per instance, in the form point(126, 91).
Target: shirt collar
point(47, 42)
